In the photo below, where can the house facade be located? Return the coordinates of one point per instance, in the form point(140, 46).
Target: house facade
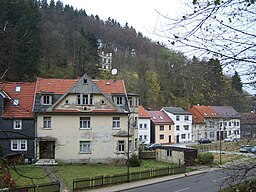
point(17, 127)
point(248, 125)
point(84, 120)
point(215, 122)
point(183, 123)
point(161, 128)
point(144, 126)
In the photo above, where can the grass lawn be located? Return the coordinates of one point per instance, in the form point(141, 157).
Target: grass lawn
point(68, 172)
point(225, 158)
point(25, 175)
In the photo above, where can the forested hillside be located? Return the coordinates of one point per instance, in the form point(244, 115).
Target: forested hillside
point(49, 39)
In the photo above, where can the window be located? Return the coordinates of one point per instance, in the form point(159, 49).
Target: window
point(17, 124)
point(170, 127)
point(120, 146)
point(177, 127)
point(186, 127)
point(47, 122)
point(177, 118)
point(130, 101)
point(18, 88)
point(16, 102)
point(183, 136)
point(140, 126)
point(84, 99)
point(140, 138)
point(161, 128)
point(237, 123)
point(220, 124)
point(19, 145)
point(85, 146)
point(229, 123)
point(169, 153)
point(116, 122)
point(85, 122)
point(145, 138)
point(186, 117)
point(145, 126)
point(46, 100)
point(119, 100)
point(161, 136)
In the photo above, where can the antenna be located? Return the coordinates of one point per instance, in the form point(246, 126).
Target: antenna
point(114, 71)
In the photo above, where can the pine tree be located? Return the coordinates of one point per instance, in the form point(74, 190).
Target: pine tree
point(236, 82)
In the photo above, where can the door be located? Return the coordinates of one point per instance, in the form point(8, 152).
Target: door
point(47, 150)
point(170, 139)
point(177, 139)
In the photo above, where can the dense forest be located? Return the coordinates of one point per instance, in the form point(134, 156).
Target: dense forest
point(50, 39)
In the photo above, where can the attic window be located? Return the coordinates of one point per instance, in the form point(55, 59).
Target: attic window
point(16, 102)
point(66, 102)
point(107, 83)
point(161, 117)
point(154, 117)
point(102, 102)
point(205, 114)
point(85, 81)
point(18, 88)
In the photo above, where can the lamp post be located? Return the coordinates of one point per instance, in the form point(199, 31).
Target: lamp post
point(128, 149)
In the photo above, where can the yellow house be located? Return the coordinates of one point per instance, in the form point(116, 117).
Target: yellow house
point(84, 120)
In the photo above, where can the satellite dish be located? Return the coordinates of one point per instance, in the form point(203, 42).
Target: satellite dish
point(114, 71)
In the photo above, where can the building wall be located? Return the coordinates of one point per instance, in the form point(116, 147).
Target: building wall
point(8, 134)
point(168, 131)
point(176, 157)
point(144, 132)
point(101, 135)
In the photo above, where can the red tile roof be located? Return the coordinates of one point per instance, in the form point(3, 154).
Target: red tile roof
point(25, 97)
point(111, 86)
point(56, 86)
point(143, 114)
point(160, 117)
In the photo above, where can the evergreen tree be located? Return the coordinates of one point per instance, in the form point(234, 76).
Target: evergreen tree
point(236, 82)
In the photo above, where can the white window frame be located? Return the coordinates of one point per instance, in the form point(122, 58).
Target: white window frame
point(161, 136)
point(85, 147)
point(119, 100)
point(48, 122)
point(17, 124)
point(177, 127)
point(121, 146)
point(84, 99)
point(21, 145)
point(116, 123)
point(16, 102)
point(177, 118)
point(85, 123)
point(183, 136)
point(186, 118)
point(145, 126)
point(186, 127)
point(46, 99)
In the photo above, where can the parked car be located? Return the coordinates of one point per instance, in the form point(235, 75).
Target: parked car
point(231, 139)
point(253, 150)
point(204, 140)
point(246, 149)
point(153, 146)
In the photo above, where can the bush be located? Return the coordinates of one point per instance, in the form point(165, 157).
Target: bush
point(134, 161)
point(205, 158)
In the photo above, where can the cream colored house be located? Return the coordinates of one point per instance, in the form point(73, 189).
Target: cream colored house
point(84, 120)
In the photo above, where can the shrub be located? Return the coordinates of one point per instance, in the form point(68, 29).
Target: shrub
point(134, 161)
point(205, 158)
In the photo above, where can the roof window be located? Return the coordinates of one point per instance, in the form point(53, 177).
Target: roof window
point(16, 102)
point(18, 88)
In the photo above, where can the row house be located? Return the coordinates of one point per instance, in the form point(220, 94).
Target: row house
point(248, 125)
point(71, 120)
point(215, 122)
point(143, 126)
point(17, 125)
point(161, 128)
point(183, 123)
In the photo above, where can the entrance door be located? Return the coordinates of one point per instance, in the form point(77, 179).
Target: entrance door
point(47, 150)
point(177, 138)
point(170, 139)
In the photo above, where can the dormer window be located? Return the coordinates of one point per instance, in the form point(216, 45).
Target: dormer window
point(18, 88)
point(119, 100)
point(16, 102)
point(46, 99)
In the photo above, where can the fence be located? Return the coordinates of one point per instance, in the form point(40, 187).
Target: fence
point(49, 187)
point(102, 181)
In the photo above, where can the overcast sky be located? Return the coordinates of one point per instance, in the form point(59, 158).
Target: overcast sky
point(140, 14)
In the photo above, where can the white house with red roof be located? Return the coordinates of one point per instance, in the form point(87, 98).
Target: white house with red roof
point(215, 122)
point(143, 126)
point(84, 120)
point(17, 127)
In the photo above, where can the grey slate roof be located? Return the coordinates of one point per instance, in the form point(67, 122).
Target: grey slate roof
point(176, 111)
